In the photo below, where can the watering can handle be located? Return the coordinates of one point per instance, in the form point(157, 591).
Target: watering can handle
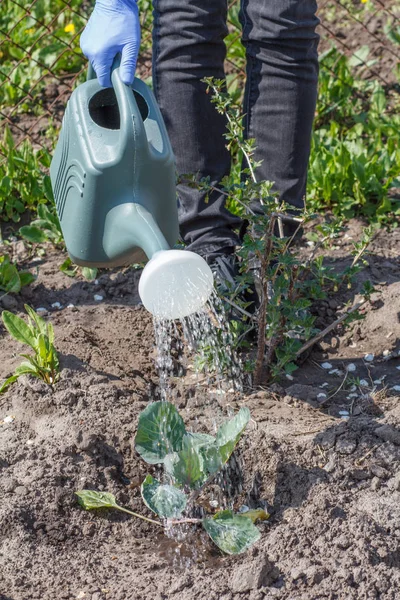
point(132, 130)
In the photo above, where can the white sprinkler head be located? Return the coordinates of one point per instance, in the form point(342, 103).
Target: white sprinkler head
point(175, 284)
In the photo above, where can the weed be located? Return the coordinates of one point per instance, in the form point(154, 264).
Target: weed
point(191, 461)
point(22, 178)
point(12, 280)
point(39, 336)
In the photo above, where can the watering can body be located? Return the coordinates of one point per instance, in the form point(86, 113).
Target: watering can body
point(113, 175)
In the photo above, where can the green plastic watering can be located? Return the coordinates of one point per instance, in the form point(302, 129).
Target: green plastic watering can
point(113, 178)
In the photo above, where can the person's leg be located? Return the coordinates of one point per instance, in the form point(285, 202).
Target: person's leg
point(281, 89)
point(188, 45)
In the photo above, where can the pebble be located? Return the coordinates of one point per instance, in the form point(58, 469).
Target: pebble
point(42, 312)
point(351, 368)
point(8, 419)
point(364, 383)
point(377, 381)
point(290, 377)
point(71, 306)
point(326, 365)
point(337, 372)
point(324, 385)
point(321, 395)
point(344, 413)
point(396, 388)
point(351, 396)
point(98, 298)
point(21, 490)
point(369, 357)
point(56, 305)
point(398, 368)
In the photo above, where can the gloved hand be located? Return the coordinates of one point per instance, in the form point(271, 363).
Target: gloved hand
point(112, 28)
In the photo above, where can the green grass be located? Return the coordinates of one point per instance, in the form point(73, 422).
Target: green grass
point(355, 160)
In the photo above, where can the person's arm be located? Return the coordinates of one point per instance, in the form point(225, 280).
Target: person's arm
point(112, 28)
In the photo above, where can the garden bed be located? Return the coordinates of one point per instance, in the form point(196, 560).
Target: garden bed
point(328, 468)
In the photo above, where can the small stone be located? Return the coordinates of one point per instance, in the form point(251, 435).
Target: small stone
point(98, 298)
point(351, 396)
point(351, 368)
point(9, 419)
point(388, 433)
point(398, 368)
point(369, 357)
point(330, 465)
point(321, 396)
point(96, 282)
point(214, 504)
point(379, 471)
point(42, 312)
point(326, 365)
point(324, 385)
point(8, 302)
point(394, 482)
point(345, 445)
point(386, 353)
point(56, 305)
point(377, 381)
point(375, 484)
point(344, 413)
point(70, 305)
point(337, 372)
point(20, 490)
point(290, 377)
point(254, 576)
point(364, 383)
point(396, 388)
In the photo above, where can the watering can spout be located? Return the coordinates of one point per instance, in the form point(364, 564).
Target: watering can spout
point(135, 226)
point(174, 283)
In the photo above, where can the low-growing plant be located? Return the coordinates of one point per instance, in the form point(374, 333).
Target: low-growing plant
point(190, 461)
point(11, 279)
point(22, 178)
point(39, 336)
point(355, 158)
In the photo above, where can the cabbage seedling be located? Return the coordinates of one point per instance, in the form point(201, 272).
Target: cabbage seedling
point(191, 461)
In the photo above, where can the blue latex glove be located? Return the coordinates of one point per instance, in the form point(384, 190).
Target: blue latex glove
point(112, 28)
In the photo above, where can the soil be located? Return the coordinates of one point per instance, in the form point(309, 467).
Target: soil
point(326, 467)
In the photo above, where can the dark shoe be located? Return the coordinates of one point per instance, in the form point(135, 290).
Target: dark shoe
point(243, 304)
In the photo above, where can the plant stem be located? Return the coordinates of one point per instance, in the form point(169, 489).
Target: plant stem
point(181, 521)
point(262, 313)
point(193, 497)
point(130, 512)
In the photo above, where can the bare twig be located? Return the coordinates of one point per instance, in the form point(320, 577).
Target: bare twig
point(328, 329)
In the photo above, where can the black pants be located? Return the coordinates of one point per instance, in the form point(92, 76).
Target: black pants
point(279, 104)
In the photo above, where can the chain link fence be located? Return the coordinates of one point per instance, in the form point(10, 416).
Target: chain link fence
point(41, 62)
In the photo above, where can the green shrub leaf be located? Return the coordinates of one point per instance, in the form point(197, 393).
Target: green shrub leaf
point(164, 500)
point(229, 433)
point(18, 329)
point(233, 534)
point(90, 499)
point(160, 432)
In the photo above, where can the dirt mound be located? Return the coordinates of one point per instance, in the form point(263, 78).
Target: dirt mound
point(327, 467)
